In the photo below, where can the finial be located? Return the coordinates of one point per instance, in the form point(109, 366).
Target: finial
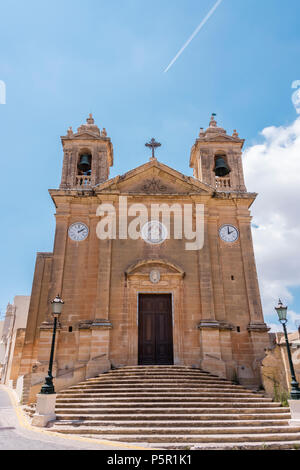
point(213, 122)
point(90, 119)
point(201, 133)
point(153, 145)
point(104, 133)
point(235, 134)
point(70, 132)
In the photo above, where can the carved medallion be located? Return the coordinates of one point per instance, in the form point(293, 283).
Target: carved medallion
point(155, 276)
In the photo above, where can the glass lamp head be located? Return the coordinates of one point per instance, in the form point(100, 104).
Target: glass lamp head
point(281, 312)
point(57, 305)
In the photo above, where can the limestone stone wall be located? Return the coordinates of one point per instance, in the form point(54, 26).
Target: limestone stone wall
point(218, 321)
point(12, 339)
point(275, 370)
point(217, 317)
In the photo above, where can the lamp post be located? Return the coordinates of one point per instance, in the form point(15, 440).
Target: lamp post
point(282, 315)
point(56, 306)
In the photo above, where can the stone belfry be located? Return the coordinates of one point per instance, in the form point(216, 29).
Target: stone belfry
point(88, 155)
point(214, 148)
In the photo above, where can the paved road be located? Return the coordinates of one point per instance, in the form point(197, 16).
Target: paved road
point(15, 437)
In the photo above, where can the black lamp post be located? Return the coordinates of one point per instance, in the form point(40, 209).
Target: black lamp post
point(48, 387)
point(282, 315)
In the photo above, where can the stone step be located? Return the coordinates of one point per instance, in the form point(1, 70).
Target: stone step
point(195, 436)
point(164, 394)
point(162, 401)
point(158, 370)
point(284, 445)
point(185, 422)
point(181, 428)
point(158, 375)
point(173, 385)
point(152, 382)
point(159, 367)
point(171, 406)
point(162, 389)
point(98, 414)
point(87, 408)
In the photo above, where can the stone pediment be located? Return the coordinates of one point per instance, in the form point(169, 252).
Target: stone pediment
point(84, 136)
point(220, 138)
point(154, 178)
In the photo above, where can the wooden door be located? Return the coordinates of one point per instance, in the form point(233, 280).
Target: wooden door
point(155, 329)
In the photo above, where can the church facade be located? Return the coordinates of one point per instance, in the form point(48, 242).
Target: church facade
point(147, 300)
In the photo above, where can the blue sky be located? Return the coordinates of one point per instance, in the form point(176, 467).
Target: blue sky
point(61, 60)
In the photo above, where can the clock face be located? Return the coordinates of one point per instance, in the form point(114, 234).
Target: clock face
point(154, 232)
point(78, 232)
point(229, 233)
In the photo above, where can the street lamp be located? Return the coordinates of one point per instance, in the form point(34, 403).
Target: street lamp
point(282, 315)
point(56, 306)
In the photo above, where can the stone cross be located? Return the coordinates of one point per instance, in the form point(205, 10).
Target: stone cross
point(153, 145)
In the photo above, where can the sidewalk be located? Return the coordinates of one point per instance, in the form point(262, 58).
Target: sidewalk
point(17, 433)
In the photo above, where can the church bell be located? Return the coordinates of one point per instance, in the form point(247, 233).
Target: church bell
point(84, 164)
point(221, 168)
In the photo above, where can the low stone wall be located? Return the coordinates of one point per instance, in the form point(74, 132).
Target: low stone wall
point(275, 369)
point(28, 386)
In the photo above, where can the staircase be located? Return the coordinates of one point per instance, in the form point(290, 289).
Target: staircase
point(173, 407)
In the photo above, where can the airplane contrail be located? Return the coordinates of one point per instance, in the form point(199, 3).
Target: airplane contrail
point(194, 34)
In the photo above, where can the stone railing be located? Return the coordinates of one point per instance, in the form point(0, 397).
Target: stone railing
point(223, 183)
point(83, 181)
point(29, 385)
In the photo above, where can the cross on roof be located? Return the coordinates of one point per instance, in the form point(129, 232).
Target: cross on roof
point(153, 145)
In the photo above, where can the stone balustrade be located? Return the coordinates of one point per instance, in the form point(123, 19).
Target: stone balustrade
point(223, 183)
point(83, 181)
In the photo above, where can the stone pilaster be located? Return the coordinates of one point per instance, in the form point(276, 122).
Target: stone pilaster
point(99, 344)
point(250, 274)
point(61, 234)
point(211, 348)
point(104, 276)
point(206, 286)
point(216, 268)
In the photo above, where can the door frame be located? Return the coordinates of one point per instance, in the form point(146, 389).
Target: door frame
point(137, 281)
point(172, 312)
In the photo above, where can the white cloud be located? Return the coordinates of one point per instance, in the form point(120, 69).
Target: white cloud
point(275, 328)
point(296, 95)
point(272, 169)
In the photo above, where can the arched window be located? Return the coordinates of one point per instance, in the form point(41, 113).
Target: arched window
point(84, 166)
point(221, 167)
point(84, 169)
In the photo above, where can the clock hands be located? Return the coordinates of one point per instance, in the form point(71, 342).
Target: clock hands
point(78, 232)
point(229, 233)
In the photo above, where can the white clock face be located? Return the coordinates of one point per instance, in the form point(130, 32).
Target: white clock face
point(78, 232)
point(154, 232)
point(229, 233)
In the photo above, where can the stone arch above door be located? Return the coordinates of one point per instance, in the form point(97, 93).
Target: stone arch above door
point(144, 268)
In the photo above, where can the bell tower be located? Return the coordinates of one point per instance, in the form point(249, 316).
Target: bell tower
point(216, 158)
point(88, 156)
